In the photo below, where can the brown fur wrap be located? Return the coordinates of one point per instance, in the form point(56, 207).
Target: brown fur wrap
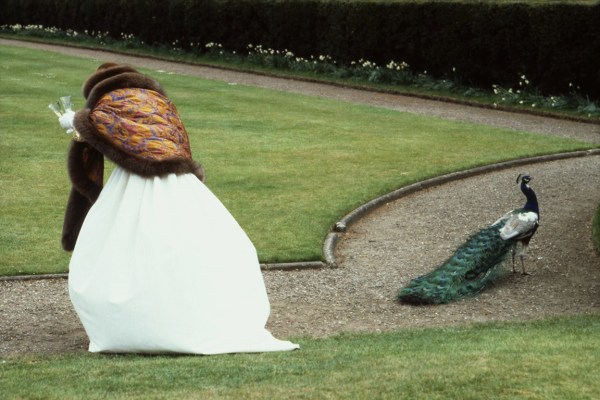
point(86, 171)
point(86, 159)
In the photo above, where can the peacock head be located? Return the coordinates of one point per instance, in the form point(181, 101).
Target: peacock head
point(524, 178)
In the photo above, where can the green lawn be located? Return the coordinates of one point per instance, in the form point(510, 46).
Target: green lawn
point(287, 166)
point(551, 359)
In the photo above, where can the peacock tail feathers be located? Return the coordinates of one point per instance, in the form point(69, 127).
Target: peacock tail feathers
point(472, 267)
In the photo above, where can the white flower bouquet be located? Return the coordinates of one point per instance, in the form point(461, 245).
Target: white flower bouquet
point(62, 109)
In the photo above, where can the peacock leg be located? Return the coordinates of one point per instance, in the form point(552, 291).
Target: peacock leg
point(513, 250)
point(522, 255)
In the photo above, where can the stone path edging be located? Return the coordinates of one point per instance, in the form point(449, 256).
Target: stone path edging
point(342, 225)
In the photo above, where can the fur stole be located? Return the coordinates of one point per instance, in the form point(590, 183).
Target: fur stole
point(86, 159)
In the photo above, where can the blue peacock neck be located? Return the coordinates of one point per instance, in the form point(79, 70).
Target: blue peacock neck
point(532, 203)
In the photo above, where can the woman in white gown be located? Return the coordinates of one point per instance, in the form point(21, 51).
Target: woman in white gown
point(159, 265)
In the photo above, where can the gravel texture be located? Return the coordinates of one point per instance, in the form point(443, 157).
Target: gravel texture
point(393, 244)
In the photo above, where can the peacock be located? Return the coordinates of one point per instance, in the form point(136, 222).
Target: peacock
point(476, 263)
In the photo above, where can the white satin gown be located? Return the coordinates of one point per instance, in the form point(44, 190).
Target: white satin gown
point(161, 266)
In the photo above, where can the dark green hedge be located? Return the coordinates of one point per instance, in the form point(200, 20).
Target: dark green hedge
point(553, 44)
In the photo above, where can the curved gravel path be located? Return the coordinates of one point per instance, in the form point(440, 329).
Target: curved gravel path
point(381, 252)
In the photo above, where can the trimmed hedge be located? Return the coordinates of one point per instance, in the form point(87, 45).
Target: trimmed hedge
point(554, 44)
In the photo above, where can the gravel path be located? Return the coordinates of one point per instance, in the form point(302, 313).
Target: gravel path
point(386, 249)
point(383, 252)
